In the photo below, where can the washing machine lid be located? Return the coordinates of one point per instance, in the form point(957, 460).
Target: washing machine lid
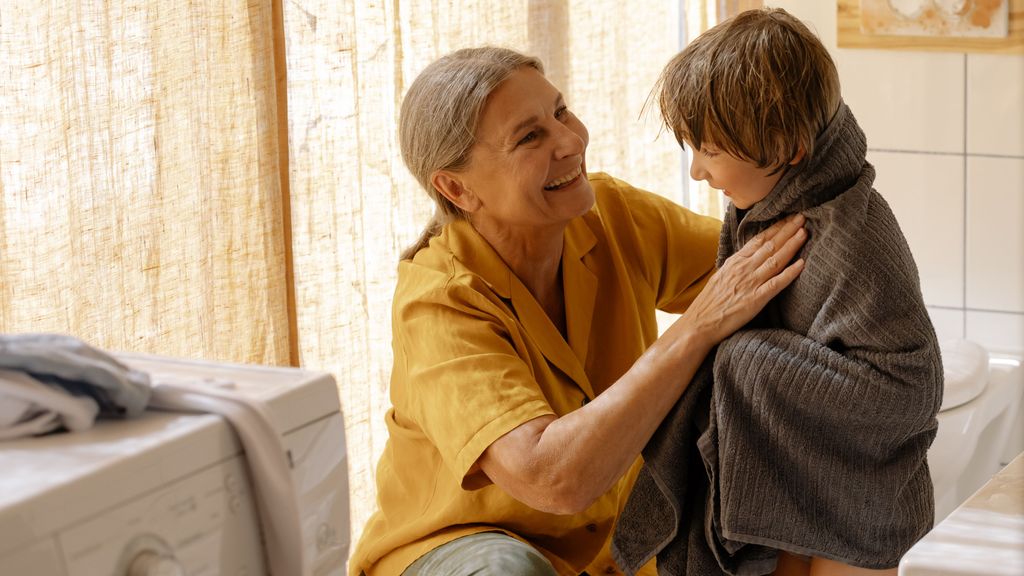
point(294, 396)
point(55, 480)
point(965, 365)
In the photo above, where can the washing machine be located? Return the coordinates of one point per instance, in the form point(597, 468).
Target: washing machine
point(171, 493)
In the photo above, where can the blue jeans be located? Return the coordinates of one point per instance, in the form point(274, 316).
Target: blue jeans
point(482, 554)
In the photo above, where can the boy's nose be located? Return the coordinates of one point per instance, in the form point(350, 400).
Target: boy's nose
point(697, 171)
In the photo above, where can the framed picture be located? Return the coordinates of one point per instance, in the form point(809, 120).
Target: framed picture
point(992, 26)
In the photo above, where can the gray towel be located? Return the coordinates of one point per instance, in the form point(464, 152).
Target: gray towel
point(808, 430)
point(71, 365)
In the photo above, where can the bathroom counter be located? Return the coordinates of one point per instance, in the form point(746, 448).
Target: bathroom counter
point(985, 535)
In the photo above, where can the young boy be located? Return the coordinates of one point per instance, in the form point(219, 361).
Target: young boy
point(801, 447)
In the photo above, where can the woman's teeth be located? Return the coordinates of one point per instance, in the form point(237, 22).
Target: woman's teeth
point(563, 180)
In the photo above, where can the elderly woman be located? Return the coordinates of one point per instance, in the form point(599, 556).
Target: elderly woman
point(528, 371)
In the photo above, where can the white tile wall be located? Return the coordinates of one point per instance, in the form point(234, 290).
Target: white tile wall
point(910, 181)
point(949, 323)
point(905, 100)
point(995, 104)
point(995, 235)
point(946, 133)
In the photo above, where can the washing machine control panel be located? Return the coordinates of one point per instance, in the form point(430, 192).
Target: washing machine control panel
point(202, 525)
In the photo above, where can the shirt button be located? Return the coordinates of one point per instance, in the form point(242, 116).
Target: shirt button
point(610, 570)
point(591, 527)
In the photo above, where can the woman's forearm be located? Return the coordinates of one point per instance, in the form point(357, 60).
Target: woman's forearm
point(588, 450)
point(562, 464)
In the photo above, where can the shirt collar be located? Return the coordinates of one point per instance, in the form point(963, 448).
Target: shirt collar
point(470, 248)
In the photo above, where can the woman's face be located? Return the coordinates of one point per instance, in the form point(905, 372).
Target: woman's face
point(527, 170)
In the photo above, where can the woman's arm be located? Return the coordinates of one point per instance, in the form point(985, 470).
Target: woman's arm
point(563, 464)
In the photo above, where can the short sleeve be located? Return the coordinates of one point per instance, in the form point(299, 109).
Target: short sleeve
point(463, 383)
point(674, 248)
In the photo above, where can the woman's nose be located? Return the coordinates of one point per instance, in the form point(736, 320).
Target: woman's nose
point(568, 142)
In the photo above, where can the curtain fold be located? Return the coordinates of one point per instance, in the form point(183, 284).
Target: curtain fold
point(141, 207)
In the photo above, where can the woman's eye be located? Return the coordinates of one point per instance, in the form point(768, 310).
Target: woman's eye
point(530, 137)
point(561, 112)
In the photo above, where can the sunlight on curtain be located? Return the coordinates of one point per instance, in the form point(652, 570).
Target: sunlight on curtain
point(140, 206)
point(612, 54)
point(354, 205)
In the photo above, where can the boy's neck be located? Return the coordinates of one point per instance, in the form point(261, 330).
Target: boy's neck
point(740, 213)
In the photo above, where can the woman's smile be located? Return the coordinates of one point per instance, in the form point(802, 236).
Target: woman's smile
point(566, 180)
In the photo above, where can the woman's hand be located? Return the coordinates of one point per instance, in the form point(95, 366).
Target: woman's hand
point(746, 282)
point(562, 464)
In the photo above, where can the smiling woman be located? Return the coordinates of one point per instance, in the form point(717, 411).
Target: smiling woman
point(524, 180)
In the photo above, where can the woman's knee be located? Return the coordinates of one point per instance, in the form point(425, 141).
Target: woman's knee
point(483, 554)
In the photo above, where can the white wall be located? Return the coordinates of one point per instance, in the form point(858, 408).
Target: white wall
point(945, 131)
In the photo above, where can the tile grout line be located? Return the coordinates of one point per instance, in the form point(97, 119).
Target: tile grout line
point(936, 153)
point(963, 256)
point(985, 310)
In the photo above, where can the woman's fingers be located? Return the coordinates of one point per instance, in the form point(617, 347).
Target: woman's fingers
point(780, 250)
point(771, 288)
point(750, 278)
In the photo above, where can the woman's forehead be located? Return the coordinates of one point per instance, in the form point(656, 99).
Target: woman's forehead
point(524, 96)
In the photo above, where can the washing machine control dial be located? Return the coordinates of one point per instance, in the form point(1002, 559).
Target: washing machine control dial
point(151, 563)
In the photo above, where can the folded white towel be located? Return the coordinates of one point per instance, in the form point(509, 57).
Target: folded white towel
point(29, 407)
point(67, 362)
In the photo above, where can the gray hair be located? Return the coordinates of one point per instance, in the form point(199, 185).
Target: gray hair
point(439, 115)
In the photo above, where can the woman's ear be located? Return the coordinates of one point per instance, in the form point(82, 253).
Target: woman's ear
point(452, 186)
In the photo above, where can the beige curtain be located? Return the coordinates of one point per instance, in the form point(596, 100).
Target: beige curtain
point(140, 205)
point(221, 179)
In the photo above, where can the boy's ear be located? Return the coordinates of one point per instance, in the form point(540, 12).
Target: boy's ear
point(452, 186)
point(800, 153)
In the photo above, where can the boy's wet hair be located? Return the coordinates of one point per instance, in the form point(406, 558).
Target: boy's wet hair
point(759, 86)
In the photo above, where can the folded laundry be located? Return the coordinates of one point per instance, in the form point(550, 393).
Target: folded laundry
point(29, 407)
point(68, 363)
point(49, 381)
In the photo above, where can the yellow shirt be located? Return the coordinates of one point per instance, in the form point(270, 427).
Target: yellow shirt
point(476, 356)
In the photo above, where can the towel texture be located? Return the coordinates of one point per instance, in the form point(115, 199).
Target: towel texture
point(808, 430)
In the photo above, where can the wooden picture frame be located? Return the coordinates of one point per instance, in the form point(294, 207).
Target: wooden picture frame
point(850, 36)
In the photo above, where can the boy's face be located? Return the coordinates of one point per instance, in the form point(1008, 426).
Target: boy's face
point(743, 182)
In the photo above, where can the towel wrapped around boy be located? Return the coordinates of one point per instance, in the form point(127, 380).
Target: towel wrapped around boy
point(808, 430)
